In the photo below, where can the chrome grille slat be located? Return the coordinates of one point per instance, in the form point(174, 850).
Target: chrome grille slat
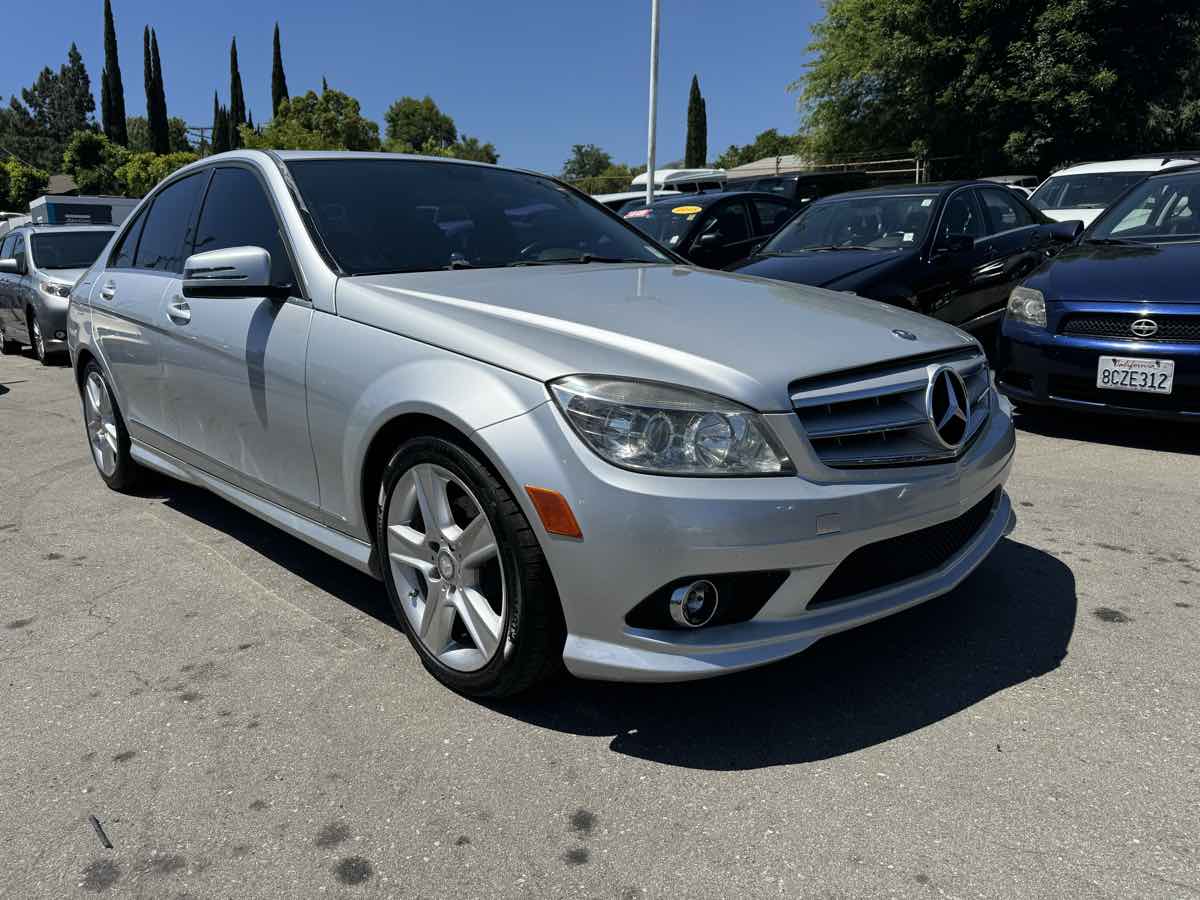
point(879, 419)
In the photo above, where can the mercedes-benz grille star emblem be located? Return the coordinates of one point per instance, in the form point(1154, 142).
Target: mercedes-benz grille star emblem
point(948, 407)
point(1144, 328)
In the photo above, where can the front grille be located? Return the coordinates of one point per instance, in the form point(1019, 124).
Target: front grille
point(901, 558)
point(878, 418)
point(1176, 329)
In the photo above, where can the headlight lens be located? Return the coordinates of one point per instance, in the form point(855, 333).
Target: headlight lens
point(665, 430)
point(55, 289)
point(1027, 306)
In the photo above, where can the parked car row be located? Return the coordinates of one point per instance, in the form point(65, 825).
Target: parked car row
point(554, 441)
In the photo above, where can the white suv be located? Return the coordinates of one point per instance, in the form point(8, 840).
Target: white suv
point(1083, 192)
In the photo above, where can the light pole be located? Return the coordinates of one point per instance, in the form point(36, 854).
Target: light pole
point(653, 101)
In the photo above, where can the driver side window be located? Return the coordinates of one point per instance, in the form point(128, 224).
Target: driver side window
point(960, 218)
point(730, 221)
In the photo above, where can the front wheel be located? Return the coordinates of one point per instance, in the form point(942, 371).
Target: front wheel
point(38, 340)
point(465, 573)
point(107, 437)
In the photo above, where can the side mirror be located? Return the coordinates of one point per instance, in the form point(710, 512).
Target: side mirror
point(1066, 231)
point(10, 266)
point(956, 243)
point(709, 241)
point(232, 272)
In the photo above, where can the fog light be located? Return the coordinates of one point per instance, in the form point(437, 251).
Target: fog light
point(60, 335)
point(695, 604)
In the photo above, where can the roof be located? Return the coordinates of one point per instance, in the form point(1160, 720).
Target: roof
point(933, 187)
point(708, 198)
point(44, 227)
point(771, 165)
point(1145, 164)
point(667, 176)
point(630, 195)
point(61, 184)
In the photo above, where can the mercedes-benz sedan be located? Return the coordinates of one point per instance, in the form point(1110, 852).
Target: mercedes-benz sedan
point(551, 439)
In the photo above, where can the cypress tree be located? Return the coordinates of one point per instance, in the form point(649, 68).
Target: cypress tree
point(237, 100)
point(148, 79)
point(324, 85)
point(162, 134)
point(215, 141)
point(696, 148)
point(112, 89)
point(279, 91)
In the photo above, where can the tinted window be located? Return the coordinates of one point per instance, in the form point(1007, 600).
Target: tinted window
point(6, 247)
point(68, 249)
point(771, 215)
point(884, 222)
point(18, 245)
point(730, 221)
point(667, 223)
point(1004, 210)
point(961, 217)
point(237, 214)
point(122, 255)
point(382, 215)
point(1161, 209)
point(1083, 191)
point(166, 228)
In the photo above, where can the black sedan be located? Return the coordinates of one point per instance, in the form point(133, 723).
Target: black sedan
point(952, 250)
point(712, 230)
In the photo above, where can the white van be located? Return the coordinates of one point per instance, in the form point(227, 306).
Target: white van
point(690, 181)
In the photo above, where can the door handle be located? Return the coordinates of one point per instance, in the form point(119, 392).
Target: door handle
point(179, 312)
point(108, 291)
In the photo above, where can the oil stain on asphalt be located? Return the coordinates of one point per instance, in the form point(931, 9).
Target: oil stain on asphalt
point(353, 870)
point(1112, 616)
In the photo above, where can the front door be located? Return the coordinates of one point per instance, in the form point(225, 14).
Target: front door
point(235, 365)
point(724, 235)
point(962, 268)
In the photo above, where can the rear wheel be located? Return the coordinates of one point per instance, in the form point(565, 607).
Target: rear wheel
point(107, 437)
point(465, 573)
point(8, 347)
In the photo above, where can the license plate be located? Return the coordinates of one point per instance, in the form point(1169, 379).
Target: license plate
point(1126, 373)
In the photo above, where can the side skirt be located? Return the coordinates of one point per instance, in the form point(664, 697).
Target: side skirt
point(342, 547)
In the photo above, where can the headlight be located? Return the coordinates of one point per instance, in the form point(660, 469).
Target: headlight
point(665, 430)
point(1027, 306)
point(55, 289)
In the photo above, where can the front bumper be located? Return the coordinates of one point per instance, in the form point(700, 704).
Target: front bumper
point(1037, 366)
point(641, 532)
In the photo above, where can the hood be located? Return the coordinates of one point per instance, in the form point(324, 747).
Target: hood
point(1153, 273)
point(66, 276)
point(1086, 216)
point(819, 267)
point(743, 338)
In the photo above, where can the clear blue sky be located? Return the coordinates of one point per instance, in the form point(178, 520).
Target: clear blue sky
point(533, 77)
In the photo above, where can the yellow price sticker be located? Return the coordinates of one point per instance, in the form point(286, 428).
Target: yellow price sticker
point(687, 210)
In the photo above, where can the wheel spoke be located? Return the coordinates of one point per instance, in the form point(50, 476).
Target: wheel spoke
point(480, 619)
point(407, 547)
point(476, 544)
point(93, 394)
point(431, 496)
point(436, 618)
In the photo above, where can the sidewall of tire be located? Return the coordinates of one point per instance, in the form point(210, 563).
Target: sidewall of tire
point(125, 475)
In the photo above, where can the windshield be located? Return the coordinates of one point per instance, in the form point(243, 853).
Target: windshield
point(68, 249)
point(384, 215)
point(888, 222)
point(666, 224)
point(1083, 191)
point(1159, 210)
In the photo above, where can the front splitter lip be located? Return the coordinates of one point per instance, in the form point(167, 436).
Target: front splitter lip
point(643, 656)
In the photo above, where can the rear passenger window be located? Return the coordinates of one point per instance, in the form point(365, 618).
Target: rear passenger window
point(166, 230)
point(237, 214)
point(122, 255)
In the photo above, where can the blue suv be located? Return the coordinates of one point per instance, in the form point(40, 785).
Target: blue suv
point(1112, 324)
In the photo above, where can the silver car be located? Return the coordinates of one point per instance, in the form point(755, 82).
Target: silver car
point(38, 266)
point(553, 441)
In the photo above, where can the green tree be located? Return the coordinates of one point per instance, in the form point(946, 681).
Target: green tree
point(279, 90)
point(92, 160)
point(142, 171)
point(696, 147)
point(418, 123)
point(36, 128)
point(470, 148)
point(237, 99)
point(156, 98)
point(112, 88)
point(141, 141)
point(25, 183)
point(331, 120)
point(767, 144)
point(586, 161)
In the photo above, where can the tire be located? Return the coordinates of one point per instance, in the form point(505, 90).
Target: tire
point(108, 440)
point(9, 347)
point(37, 340)
point(525, 622)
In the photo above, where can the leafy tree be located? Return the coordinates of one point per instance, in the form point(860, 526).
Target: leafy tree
point(142, 171)
point(3, 186)
point(470, 148)
point(25, 183)
point(587, 161)
point(92, 160)
point(279, 90)
point(418, 123)
point(37, 127)
point(331, 120)
point(112, 89)
point(696, 146)
point(767, 144)
point(140, 141)
point(237, 100)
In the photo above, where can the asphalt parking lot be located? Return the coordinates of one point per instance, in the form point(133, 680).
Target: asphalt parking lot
point(244, 719)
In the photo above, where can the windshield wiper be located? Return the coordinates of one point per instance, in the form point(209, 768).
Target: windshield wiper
point(1110, 240)
point(582, 259)
point(819, 248)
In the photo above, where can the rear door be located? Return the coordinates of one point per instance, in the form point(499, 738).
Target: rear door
point(127, 307)
point(235, 365)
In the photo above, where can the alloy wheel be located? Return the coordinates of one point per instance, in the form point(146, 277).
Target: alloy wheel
point(39, 345)
point(101, 424)
point(446, 565)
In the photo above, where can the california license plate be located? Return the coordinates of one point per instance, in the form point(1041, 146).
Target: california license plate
point(1126, 373)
